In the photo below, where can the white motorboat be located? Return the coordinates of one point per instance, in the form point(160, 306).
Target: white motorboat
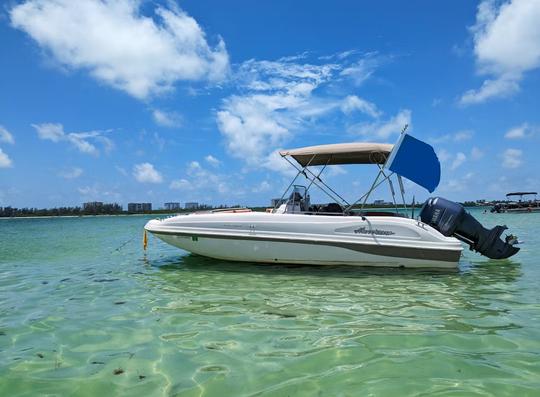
point(341, 233)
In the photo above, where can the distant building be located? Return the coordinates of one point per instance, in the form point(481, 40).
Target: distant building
point(172, 206)
point(276, 202)
point(93, 206)
point(191, 206)
point(139, 207)
point(382, 202)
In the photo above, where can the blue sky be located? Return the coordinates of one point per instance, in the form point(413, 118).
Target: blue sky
point(190, 101)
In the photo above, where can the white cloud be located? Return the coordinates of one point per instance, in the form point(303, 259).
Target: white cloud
point(214, 162)
point(203, 180)
point(201, 183)
point(88, 191)
point(352, 103)
point(146, 173)
point(81, 140)
point(458, 160)
point(361, 70)
point(5, 161)
point(181, 184)
point(50, 131)
point(278, 100)
point(264, 186)
point(501, 87)
point(6, 136)
point(512, 158)
point(519, 132)
point(459, 136)
point(122, 47)
point(334, 170)
point(476, 154)
point(71, 173)
point(463, 135)
point(121, 170)
point(443, 155)
point(167, 119)
point(95, 192)
point(506, 46)
point(458, 184)
point(384, 129)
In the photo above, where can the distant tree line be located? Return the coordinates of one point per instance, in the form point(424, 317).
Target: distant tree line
point(105, 209)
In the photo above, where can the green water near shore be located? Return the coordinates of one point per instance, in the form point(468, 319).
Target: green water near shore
point(84, 311)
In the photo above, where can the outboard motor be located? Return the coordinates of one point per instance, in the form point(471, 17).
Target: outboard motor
point(451, 219)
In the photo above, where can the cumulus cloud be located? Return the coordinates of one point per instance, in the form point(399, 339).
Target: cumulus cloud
point(5, 161)
point(506, 46)
point(146, 173)
point(354, 103)
point(214, 162)
point(522, 131)
point(120, 46)
point(6, 136)
point(198, 181)
point(167, 119)
point(512, 158)
point(383, 129)
point(71, 173)
point(80, 140)
point(278, 100)
point(458, 160)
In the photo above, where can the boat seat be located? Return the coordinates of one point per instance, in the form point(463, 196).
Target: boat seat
point(326, 209)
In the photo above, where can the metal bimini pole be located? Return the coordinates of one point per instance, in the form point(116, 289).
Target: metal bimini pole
point(315, 183)
point(300, 171)
point(328, 187)
point(402, 189)
point(365, 196)
point(391, 188)
point(318, 175)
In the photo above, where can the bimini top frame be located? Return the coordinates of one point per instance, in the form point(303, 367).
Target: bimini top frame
point(341, 154)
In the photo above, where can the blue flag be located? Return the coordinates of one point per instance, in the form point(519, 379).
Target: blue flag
point(417, 161)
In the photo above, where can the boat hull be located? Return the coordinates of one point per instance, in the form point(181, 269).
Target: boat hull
point(273, 238)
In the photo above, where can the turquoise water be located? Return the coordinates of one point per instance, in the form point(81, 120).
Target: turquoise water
point(84, 311)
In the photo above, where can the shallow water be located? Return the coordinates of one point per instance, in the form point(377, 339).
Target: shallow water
point(84, 311)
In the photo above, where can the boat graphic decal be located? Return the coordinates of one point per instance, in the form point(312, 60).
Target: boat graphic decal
point(379, 232)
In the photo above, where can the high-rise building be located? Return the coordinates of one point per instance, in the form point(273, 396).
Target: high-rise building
point(192, 206)
point(172, 206)
point(139, 207)
point(92, 206)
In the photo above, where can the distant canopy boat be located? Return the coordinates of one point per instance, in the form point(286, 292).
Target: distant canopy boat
point(520, 206)
point(343, 233)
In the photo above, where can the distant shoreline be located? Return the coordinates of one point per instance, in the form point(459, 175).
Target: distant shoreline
point(417, 206)
point(83, 216)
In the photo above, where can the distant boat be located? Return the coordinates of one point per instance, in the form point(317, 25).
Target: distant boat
point(520, 206)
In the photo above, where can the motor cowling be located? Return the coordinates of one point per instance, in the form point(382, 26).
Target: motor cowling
point(451, 219)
